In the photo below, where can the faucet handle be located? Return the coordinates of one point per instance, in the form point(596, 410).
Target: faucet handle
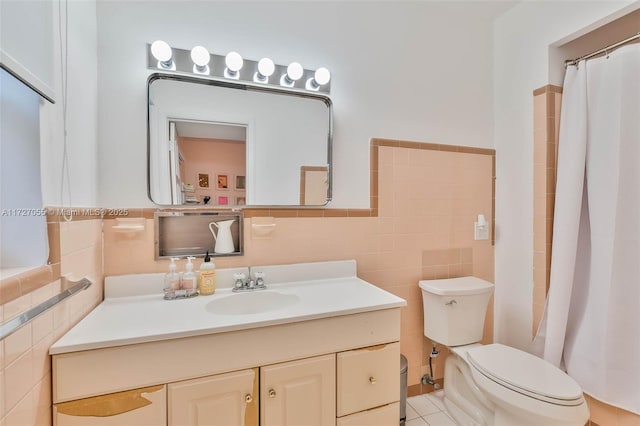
point(260, 279)
point(239, 277)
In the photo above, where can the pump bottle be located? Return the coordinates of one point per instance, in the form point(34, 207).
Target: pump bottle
point(189, 281)
point(207, 284)
point(172, 278)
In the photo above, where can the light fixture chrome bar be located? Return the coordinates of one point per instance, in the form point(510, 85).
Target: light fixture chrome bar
point(607, 49)
point(184, 65)
point(18, 322)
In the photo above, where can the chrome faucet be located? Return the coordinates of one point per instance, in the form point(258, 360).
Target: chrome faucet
point(244, 283)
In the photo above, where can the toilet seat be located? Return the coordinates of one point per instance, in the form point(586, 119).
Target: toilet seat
point(524, 373)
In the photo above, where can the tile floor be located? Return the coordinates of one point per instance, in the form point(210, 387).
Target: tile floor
point(428, 410)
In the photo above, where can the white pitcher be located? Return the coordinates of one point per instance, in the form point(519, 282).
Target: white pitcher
point(223, 238)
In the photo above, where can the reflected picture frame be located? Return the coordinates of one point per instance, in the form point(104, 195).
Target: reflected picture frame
point(241, 183)
point(203, 180)
point(222, 182)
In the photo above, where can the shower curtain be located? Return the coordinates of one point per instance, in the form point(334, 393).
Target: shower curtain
point(592, 318)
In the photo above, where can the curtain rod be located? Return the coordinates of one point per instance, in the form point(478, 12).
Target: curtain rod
point(603, 50)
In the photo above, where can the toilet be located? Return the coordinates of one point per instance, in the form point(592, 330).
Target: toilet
point(493, 385)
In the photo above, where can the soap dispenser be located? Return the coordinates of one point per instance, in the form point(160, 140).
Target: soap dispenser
point(189, 279)
point(207, 283)
point(172, 278)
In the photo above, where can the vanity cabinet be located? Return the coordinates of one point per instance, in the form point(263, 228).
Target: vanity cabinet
point(291, 393)
point(342, 370)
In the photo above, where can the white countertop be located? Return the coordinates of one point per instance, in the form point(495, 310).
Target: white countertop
point(129, 319)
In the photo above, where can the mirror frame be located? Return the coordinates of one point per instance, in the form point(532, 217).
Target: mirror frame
point(248, 87)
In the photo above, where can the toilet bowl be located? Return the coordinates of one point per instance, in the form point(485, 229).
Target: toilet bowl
point(493, 385)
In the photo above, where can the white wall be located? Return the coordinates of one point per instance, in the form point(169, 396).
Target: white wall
point(522, 40)
point(415, 70)
point(82, 117)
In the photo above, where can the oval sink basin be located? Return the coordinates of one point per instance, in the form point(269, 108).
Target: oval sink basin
point(251, 303)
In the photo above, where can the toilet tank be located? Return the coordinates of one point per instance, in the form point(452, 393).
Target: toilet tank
point(454, 309)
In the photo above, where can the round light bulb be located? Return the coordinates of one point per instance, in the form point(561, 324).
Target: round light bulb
point(322, 76)
point(200, 56)
point(234, 61)
point(161, 50)
point(266, 67)
point(294, 71)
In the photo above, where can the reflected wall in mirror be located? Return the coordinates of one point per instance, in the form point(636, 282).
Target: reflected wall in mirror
point(225, 144)
point(207, 160)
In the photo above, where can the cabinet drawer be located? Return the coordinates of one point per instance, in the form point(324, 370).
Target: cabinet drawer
point(368, 378)
point(147, 406)
point(381, 416)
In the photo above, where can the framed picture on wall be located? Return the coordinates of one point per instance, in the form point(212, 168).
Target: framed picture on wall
point(241, 201)
point(222, 181)
point(203, 180)
point(241, 183)
point(223, 200)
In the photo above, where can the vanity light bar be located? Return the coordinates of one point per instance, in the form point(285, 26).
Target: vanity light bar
point(232, 67)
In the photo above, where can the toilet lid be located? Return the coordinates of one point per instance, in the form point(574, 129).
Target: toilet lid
point(460, 286)
point(525, 373)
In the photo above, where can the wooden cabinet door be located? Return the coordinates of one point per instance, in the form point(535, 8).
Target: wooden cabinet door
point(223, 400)
point(299, 393)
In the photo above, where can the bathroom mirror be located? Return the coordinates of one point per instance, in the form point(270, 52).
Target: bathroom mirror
point(217, 143)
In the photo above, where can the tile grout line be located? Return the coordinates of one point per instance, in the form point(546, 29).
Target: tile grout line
point(427, 399)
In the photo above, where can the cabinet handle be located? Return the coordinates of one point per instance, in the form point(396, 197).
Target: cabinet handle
point(372, 380)
point(248, 398)
point(272, 393)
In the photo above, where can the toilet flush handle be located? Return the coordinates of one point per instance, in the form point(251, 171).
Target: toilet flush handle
point(451, 302)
